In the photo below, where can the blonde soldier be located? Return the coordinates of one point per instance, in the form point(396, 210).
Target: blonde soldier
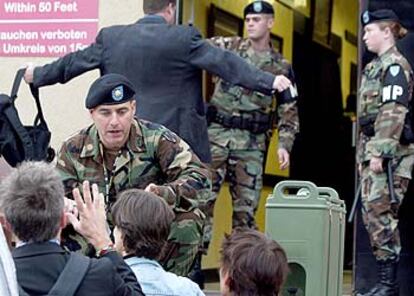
point(385, 149)
point(240, 119)
point(119, 152)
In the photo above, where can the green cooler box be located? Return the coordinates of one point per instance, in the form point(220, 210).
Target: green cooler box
point(309, 223)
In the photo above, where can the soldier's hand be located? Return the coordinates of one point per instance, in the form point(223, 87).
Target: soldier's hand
point(375, 164)
point(281, 83)
point(152, 188)
point(28, 74)
point(284, 158)
point(92, 217)
point(165, 192)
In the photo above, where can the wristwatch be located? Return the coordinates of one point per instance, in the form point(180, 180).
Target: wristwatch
point(108, 248)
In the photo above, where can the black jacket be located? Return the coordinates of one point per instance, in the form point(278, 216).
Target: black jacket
point(39, 265)
point(165, 64)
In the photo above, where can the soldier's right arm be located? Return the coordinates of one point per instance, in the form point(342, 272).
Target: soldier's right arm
point(65, 166)
point(227, 65)
point(71, 65)
point(223, 42)
point(188, 180)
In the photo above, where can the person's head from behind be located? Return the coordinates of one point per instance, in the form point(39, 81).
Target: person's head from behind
point(111, 103)
point(142, 223)
point(165, 8)
point(32, 201)
point(259, 20)
point(251, 264)
point(381, 29)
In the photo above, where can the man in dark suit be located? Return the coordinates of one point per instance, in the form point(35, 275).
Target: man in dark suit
point(33, 204)
point(165, 64)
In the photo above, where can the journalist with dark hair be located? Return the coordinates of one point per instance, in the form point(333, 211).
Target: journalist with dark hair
point(32, 200)
point(142, 224)
point(251, 264)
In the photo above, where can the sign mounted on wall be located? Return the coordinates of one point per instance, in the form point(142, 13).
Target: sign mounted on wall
point(33, 28)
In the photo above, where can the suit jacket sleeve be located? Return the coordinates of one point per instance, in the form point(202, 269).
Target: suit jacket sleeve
point(227, 65)
point(125, 282)
point(71, 65)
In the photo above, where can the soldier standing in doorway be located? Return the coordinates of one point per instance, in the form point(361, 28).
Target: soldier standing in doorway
point(385, 153)
point(241, 120)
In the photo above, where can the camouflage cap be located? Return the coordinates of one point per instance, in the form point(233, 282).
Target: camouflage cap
point(259, 7)
point(109, 89)
point(379, 15)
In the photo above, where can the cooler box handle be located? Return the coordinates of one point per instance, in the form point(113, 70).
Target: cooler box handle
point(302, 190)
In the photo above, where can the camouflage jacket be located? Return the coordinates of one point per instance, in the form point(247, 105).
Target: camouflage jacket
point(236, 100)
point(153, 154)
point(378, 101)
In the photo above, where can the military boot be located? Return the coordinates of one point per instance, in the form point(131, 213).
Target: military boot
point(387, 280)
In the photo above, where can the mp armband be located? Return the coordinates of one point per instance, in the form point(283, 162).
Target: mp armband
point(395, 86)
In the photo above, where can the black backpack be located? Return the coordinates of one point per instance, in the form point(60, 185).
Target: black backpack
point(18, 142)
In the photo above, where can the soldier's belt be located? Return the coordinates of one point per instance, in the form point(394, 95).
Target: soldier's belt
point(257, 125)
point(366, 124)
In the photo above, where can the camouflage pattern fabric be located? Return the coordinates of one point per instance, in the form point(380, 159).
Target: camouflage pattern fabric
point(240, 153)
point(183, 242)
point(390, 116)
point(244, 169)
point(380, 216)
point(153, 154)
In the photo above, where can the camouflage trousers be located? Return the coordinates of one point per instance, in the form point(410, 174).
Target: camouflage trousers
point(184, 242)
point(244, 169)
point(380, 216)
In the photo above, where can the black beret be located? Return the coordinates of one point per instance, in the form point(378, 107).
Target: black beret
point(259, 7)
point(379, 15)
point(109, 89)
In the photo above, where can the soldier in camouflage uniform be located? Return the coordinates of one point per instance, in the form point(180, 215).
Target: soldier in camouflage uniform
point(385, 151)
point(119, 152)
point(240, 120)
